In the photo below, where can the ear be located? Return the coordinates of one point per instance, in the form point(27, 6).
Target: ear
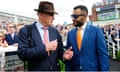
point(38, 14)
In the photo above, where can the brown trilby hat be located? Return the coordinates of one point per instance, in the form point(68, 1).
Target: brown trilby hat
point(47, 7)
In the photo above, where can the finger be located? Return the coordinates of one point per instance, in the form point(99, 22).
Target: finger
point(52, 43)
point(70, 54)
point(54, 40)
point(69, 57)
point(66, 52)
point(69, 49)
point(53, 48)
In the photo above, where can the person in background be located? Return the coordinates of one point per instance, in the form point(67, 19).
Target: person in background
point(3, 42)
point(88, 44)
point(12, 37)
point(19, 26)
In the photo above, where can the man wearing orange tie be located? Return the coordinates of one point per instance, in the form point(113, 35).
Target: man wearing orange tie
point(88, 45)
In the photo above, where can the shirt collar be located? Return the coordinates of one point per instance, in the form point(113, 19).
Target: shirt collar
point(39, 25)
point(84, 26)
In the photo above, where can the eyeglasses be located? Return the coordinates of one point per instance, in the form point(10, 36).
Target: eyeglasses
point(76, 16)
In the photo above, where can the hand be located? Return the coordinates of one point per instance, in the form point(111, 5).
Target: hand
point(51, 46)
point(16, 44)
point(5, 44)
point(1, 43)
point(68, 54)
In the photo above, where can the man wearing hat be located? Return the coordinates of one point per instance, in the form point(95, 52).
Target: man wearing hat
point(44, 46)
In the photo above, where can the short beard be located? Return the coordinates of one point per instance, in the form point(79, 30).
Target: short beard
point(78, 23)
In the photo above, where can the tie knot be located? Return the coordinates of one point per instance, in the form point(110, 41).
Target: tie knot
point(79, 28)
point(45, 28)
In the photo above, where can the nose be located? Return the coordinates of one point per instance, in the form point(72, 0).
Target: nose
point(73, 19)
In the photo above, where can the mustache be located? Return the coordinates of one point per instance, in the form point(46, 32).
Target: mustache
point(74, 20)
point(77, 23)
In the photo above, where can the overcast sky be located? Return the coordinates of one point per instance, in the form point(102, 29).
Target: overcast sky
point(63, 7)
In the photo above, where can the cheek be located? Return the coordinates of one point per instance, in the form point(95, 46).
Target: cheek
point(50, 19)
point(80, 19)
point(1, 38)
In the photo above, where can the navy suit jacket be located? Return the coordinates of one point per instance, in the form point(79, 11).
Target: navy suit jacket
point(36, 55)
point(11, 41)
point(93, 55)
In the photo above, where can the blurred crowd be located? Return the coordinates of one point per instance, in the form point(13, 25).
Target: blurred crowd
point(63, 30)
point(112, 32)
point(9, 32)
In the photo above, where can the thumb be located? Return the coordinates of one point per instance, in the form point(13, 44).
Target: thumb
point(54, 41)
point(69, 49)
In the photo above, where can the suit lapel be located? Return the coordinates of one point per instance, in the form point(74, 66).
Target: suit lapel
point(75, 41)
point(85, 36)
point(51, 36)
point(10, 37)
point(36, 35)
point(14, 38)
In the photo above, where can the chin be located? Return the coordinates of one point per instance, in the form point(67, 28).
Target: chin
point(48, 24)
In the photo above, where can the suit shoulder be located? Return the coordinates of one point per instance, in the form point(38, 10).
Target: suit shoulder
point(94, 27)
point(23, 30)
point(72, 30)
point(53, 28)
point(27, 26)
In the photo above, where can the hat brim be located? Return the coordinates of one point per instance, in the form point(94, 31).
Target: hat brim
point(46, 11)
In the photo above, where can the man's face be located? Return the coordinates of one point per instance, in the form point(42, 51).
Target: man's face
point(12, 29)
point(79, 17)
point(46, 18)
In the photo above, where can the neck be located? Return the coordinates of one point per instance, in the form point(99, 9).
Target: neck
point(44, 24)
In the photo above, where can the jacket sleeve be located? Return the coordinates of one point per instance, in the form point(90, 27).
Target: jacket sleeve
point(10, 42)
point(30, 54)
point(60, 47)
point(68, 62)
point(103, 58)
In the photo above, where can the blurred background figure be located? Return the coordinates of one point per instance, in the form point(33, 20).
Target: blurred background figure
point(3, 42)
point(19, 26)
point(12, 37)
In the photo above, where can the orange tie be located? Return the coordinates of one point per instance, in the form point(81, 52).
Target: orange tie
point(79, 39)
